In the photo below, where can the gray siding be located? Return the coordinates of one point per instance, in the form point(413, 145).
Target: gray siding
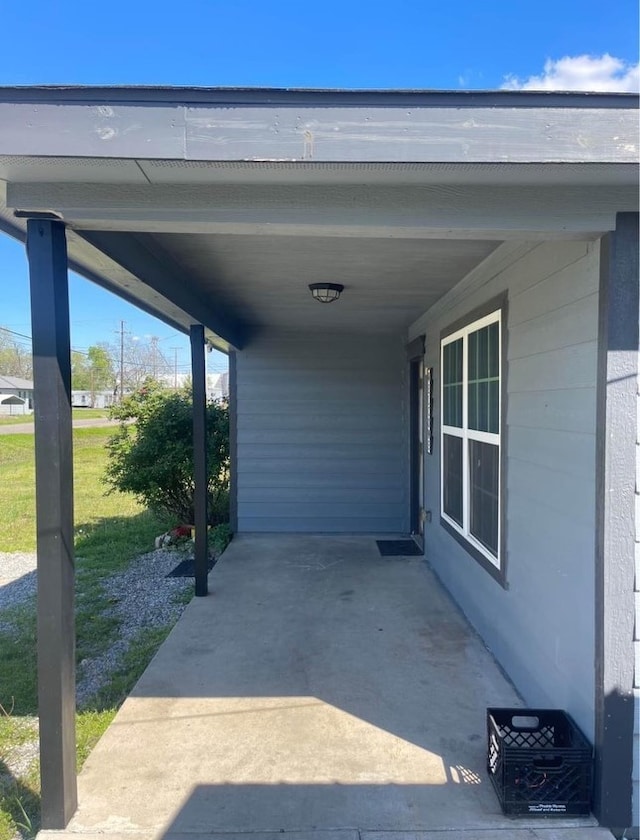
point(636, 681)
point(321, 437)
point(541, 627)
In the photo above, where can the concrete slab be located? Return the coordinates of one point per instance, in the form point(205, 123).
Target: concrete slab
point(511, 833)
point(321, 690)
point(550, 833)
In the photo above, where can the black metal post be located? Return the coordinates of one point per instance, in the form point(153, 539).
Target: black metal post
point(199, 386)
point(47, 254)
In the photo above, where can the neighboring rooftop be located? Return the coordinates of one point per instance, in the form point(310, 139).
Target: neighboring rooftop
point(16, 383)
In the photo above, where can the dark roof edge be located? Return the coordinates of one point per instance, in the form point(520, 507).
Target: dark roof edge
point(143, 94)
point(19, 233)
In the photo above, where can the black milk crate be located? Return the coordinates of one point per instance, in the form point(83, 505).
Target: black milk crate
point(540, 763)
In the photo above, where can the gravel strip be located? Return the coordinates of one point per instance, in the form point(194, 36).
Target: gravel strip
point(15, 564)
point(19, 759)
point(17, 578)
point(142, 598)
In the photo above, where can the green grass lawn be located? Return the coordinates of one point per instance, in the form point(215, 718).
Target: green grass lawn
point(94, 511)
point(109, 532)
point(77, 413)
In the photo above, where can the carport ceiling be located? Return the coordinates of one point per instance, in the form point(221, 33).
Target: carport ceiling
point(263, 281)
point(220, 206)
point(234, 245)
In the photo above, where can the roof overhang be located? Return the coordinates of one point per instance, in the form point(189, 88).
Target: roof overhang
point(147, 179)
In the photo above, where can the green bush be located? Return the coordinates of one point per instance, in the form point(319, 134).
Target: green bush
point(151, 454)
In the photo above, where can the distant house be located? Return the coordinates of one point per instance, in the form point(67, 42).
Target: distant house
point(218, 386)
point(92, 399)
point(217, 383)
point(223, 385)
point(16, 395)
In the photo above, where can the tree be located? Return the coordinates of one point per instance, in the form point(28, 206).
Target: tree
point(137, 361)
point(151, 454)
point(102, 370)
point(80, 375)
point(92, 371)
point(15, 354)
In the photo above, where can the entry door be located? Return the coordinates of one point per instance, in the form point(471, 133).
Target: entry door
point(416, 431)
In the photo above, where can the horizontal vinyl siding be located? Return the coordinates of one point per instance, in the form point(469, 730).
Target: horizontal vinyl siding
point(321, 441)
point(636, 640)
point(541, 627)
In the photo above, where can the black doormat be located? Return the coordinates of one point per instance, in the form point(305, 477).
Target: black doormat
point(187, 568)
point(398, 548)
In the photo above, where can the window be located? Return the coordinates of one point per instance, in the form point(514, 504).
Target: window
point(471, 403)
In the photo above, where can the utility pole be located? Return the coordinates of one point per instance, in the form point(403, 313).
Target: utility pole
point(154, 356)
point(175, 368)
point(121, 360)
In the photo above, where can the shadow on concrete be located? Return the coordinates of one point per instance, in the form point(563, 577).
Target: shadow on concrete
point(318, 687)
point(299, 812)
point(307, 808)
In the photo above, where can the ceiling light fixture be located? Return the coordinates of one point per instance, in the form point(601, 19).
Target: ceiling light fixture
point(326, 292)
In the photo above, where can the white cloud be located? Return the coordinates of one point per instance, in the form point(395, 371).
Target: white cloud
point(581, 72)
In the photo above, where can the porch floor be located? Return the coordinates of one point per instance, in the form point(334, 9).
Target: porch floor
point(321, 691)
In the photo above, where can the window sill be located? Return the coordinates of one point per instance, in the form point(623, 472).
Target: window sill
point(497, 574)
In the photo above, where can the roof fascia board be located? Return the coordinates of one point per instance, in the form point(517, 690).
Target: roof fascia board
point(155, 271)
point(380, 132)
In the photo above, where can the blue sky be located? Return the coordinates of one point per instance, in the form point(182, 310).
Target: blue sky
point(471, 44)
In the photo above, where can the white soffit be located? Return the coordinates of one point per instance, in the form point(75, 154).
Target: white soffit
point(27, 169)
point(71, 170)
point(198, 172)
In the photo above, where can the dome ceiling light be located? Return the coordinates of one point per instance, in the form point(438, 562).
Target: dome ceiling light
point(326, 292)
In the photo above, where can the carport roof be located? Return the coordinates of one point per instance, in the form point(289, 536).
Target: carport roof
point(219, 206)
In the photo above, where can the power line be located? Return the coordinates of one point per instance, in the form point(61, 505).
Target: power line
point(13, 332)
point(159, 359)
point(30, 339)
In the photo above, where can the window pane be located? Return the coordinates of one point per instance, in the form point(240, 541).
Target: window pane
point(484, 468)
point(452, 384)
point(478, 351)
point(493, 417)
point(452, 478)
point(494, 350)
point(483, 371)
point(472, 407)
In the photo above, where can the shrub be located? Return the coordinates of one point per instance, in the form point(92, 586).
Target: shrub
point(151, 454)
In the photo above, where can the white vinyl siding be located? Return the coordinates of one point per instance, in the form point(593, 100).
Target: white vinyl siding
point(636, 640)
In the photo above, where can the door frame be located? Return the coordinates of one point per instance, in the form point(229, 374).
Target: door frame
point(415, 358)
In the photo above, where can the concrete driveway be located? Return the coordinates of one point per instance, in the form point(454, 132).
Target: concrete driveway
point(321, 692)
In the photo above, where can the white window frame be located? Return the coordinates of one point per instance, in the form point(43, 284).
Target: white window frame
point(471, 434)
